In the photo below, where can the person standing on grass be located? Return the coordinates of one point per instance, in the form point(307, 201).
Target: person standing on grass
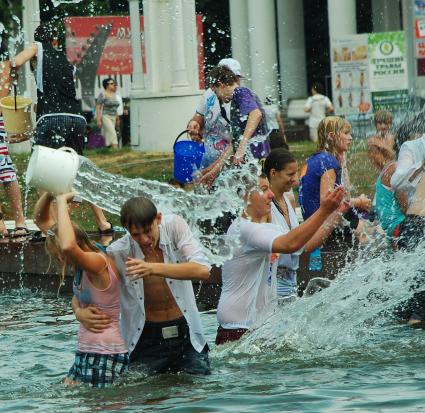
point(59, 121)
point(317, 106)
point(107, 112)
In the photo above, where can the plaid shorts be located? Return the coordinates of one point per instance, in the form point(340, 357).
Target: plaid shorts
point(98, 370)
point(7, 170)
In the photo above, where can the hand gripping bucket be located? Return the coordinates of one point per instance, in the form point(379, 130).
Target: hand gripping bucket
point(52, 170)
point(17, 119)
point(187, 154)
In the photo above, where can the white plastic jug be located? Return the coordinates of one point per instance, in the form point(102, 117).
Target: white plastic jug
point(52, 170)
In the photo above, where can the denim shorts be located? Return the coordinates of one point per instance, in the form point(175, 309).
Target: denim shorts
point(173, 353)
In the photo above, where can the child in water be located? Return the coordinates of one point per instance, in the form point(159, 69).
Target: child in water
point(101, 357)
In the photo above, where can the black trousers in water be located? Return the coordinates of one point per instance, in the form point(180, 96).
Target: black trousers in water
point(169, 355)
point(412, 232)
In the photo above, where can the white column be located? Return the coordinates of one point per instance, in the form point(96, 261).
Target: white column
point(240, 36)
point(179, 72)
point(342, 17)
point(30, 21)
point(171, 94)
point(386, 15)
point(262, 42)
point(138, 83)
point(292, 59)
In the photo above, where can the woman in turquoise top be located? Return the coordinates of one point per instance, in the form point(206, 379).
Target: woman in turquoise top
point(387, 206)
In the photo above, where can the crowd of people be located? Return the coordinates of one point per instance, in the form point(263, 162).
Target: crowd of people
point(134, 300)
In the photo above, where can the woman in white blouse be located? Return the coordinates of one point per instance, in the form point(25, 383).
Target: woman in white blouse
point(281, 169)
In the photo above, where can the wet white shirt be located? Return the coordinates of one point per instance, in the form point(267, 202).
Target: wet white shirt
point(246, 292)
point(290, 261)
point(178, 245)
point(410, 158)
point(318, 105)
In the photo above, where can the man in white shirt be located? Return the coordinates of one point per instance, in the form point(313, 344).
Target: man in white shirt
point(317, 106)
point(249, 278)
point(157, 260)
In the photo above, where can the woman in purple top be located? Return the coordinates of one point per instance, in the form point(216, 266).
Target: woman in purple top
point(247, 118)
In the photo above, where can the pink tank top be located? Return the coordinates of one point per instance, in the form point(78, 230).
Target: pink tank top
point(110, 340)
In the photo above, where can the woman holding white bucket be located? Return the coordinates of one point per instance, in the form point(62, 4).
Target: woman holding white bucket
point(101, 358)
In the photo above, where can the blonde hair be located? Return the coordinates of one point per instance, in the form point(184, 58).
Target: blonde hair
point(56, 254)
point(330, 124)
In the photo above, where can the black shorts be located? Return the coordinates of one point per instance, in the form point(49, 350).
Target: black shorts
point(169, 355)
point(55, 131)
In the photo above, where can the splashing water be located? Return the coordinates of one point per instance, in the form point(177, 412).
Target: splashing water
point(110, 191)
point(352, 315)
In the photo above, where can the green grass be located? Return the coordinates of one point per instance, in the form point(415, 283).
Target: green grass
point(159, 166)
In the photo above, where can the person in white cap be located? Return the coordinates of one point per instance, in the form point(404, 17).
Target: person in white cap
point(211, 123)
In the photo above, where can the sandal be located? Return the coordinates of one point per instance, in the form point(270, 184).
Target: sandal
point(108, 231)
point(24, 232)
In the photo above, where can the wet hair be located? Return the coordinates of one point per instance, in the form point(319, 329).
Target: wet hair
point(383, 116)
point(409, 130)
point(221, 75)
point(46, 33)
point(139, 212)
point(106, 81)
point(330, 124)
point(277, 159)
point(55, 253)
point(277, 140)
point(317, 87)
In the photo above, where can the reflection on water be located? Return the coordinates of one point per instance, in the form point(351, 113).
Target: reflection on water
point(339, 349)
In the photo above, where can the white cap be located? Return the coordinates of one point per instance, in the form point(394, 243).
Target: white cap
point(233, 65)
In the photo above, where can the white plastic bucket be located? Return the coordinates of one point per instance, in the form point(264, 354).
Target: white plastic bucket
point(52, 170)
point(17, 120)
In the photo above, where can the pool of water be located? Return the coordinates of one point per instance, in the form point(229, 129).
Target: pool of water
point(297, 362)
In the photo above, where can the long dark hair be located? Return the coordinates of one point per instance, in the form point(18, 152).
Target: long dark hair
point(277, 159)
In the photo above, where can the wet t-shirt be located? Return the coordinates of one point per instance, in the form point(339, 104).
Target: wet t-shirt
point(309, 191)
point(217, 131)
point(243, 103)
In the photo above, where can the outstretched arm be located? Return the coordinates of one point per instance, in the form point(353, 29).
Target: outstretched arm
point(182, 271)
point(298, 237)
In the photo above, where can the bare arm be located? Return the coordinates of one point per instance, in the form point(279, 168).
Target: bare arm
point(327, 183)
point(99, 112)
point(26, 55)
point(44, 216)
point(195, 126)
point(92, 318)
point(254, 119)
point(298, 237)
point(182, 271)
point(92, 262)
